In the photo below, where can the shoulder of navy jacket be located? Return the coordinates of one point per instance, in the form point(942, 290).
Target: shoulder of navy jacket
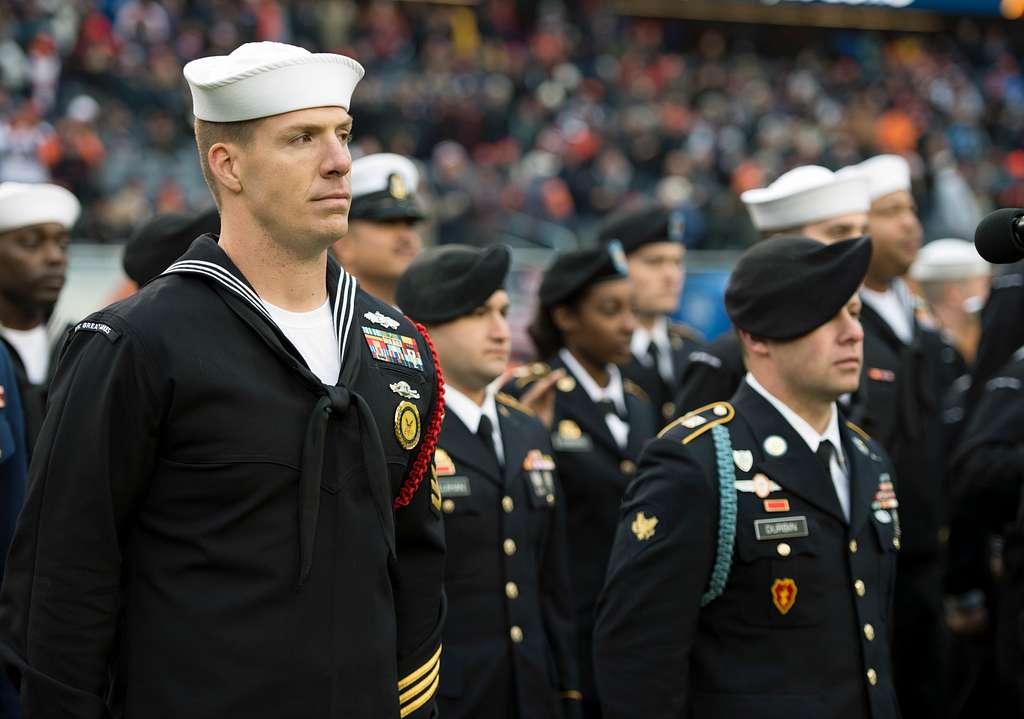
point(512, 403)
point(863, 435)
point(698, 422)
point(528, 373)
point(703, 357)
point(634, 389)
point(99, 327)
point(684, 331)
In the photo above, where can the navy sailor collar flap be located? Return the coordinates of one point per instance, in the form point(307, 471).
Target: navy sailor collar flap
point(206, 259)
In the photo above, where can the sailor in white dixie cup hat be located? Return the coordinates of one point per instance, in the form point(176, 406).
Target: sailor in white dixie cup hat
point(238, 482)
point(955, 282)
point(35, 227)
point(808, 201)
point(383, 234)
point(908, 367)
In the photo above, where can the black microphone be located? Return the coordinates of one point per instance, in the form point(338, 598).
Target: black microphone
point(1000, 236)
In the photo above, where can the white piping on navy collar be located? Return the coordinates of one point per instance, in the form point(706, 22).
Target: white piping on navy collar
point(343, 310)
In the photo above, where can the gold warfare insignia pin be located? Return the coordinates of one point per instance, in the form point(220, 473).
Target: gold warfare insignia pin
point(396, 187)
point(407, 425)
point(643, 527)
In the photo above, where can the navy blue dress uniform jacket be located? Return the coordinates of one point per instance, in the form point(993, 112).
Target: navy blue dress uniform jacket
point(509, 640)
point(12, 484)
point(801, 630)
point(594, 472)
point(209, 529)
point(661, 394)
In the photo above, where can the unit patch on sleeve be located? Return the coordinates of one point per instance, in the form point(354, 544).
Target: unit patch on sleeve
point(394, 348)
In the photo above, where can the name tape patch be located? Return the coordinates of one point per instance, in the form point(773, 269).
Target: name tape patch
point(100, 328)
point(455, 486)
point(780, 528)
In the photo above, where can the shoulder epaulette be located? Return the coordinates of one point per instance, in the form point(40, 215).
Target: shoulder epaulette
point(636, 390)
point(532, 372)
point(703, 419)
point(858, 430)
point(685, 331)
point(510, 401)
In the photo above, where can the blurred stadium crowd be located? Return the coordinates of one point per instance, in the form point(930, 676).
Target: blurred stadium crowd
point(558, 123)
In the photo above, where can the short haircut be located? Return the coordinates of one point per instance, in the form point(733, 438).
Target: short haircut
point(209, 134)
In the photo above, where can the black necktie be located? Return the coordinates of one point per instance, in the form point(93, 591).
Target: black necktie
point(608, 407)
point(485, 431)
point(653, 353)
point(824, 453)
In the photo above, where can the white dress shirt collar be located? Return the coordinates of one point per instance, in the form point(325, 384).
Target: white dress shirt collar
point(469, 412)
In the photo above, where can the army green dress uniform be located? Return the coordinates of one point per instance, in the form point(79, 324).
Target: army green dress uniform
point(660, 356)
point(593, 467)
point(509, 639)
point(741, 583)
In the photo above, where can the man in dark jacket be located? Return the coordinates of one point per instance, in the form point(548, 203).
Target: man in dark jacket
point(227, 513)
point(809, 201)
point(35, 226)
point(753, 564)
point(653, 241)
point(509, 640)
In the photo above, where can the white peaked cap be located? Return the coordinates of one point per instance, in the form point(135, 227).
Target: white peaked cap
point(805, 195)
point(260, 79)
point(948, 259)
point(885, 174)
point(372, 173)
point(24, 205)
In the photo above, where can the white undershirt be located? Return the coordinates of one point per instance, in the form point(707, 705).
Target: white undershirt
point(895, 307)
point(470, 413)
point(613, 391)
point(808, 434)
point(33, 347)
point(315, 338)
point(658, 334)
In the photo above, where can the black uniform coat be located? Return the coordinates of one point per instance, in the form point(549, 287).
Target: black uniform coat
point(659, 655)
point(594, 473)
point(899, 403)
point(663, 395)
point(509, 644)
point(713, 374)
point(209, 529)
point(988, 472)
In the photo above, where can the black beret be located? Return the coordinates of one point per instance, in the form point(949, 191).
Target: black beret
point(787, 287)
point(574, 271)
point(157, 243)
point(450, 281)
point(639, 226)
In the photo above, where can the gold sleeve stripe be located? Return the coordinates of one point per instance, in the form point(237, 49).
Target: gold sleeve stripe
point(420, 686)
point(572, 694)
point(858, 430)
point(402, 684)
point(510, 401)
point(426, 697)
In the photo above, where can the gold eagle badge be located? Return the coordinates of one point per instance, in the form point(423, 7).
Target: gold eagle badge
point(643, 527)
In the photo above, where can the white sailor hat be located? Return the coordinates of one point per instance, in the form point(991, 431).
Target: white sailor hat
point(947, 260)
point(260, 79)
point(805, 195)
point(384, 187)
point(24, 205)
point(885, 174)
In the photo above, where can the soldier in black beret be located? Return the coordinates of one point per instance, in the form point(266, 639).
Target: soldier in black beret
point(754, 560)
point(600, 420)
point(509, 642)
point(383, 224)
point(652, 238)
